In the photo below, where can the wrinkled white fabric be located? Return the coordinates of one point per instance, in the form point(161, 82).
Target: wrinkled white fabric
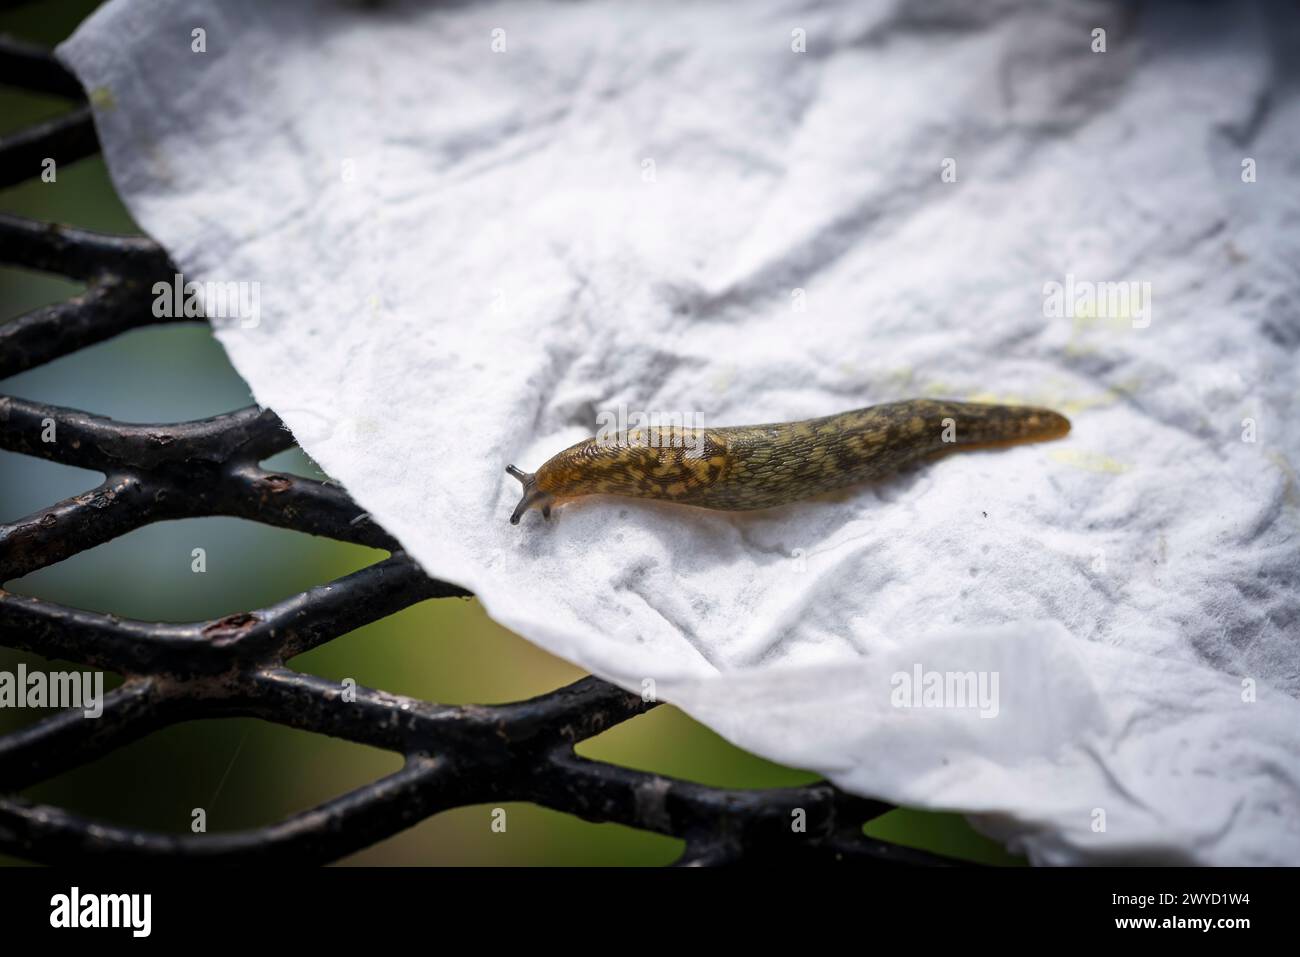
point(473, 229)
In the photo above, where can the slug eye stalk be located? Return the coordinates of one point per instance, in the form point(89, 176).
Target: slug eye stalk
point(532, 495)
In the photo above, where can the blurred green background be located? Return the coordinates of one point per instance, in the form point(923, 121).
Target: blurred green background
point(246, 772)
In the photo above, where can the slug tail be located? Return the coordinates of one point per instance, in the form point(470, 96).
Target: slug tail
point(995, 426)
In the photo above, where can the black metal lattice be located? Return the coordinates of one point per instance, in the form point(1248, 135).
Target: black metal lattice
point(235, 666)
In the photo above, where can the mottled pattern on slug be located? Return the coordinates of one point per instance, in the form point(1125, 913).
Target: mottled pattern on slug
point(763, 466)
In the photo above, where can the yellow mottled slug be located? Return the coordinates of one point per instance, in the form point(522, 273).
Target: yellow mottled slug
point(763, 466)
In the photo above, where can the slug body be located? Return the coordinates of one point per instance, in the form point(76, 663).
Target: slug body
point(763, 466)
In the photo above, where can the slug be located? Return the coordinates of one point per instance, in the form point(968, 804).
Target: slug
point(764, 466)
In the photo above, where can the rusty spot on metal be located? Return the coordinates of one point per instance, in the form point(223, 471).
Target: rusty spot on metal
point(278, 483)
point(231, 625)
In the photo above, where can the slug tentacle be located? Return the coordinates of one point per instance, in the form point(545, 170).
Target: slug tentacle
point(532, 495)
point(763, 466)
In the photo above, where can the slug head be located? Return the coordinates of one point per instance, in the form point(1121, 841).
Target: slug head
point(533, 497)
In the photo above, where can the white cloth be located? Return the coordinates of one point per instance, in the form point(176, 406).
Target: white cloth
point(465, 254)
